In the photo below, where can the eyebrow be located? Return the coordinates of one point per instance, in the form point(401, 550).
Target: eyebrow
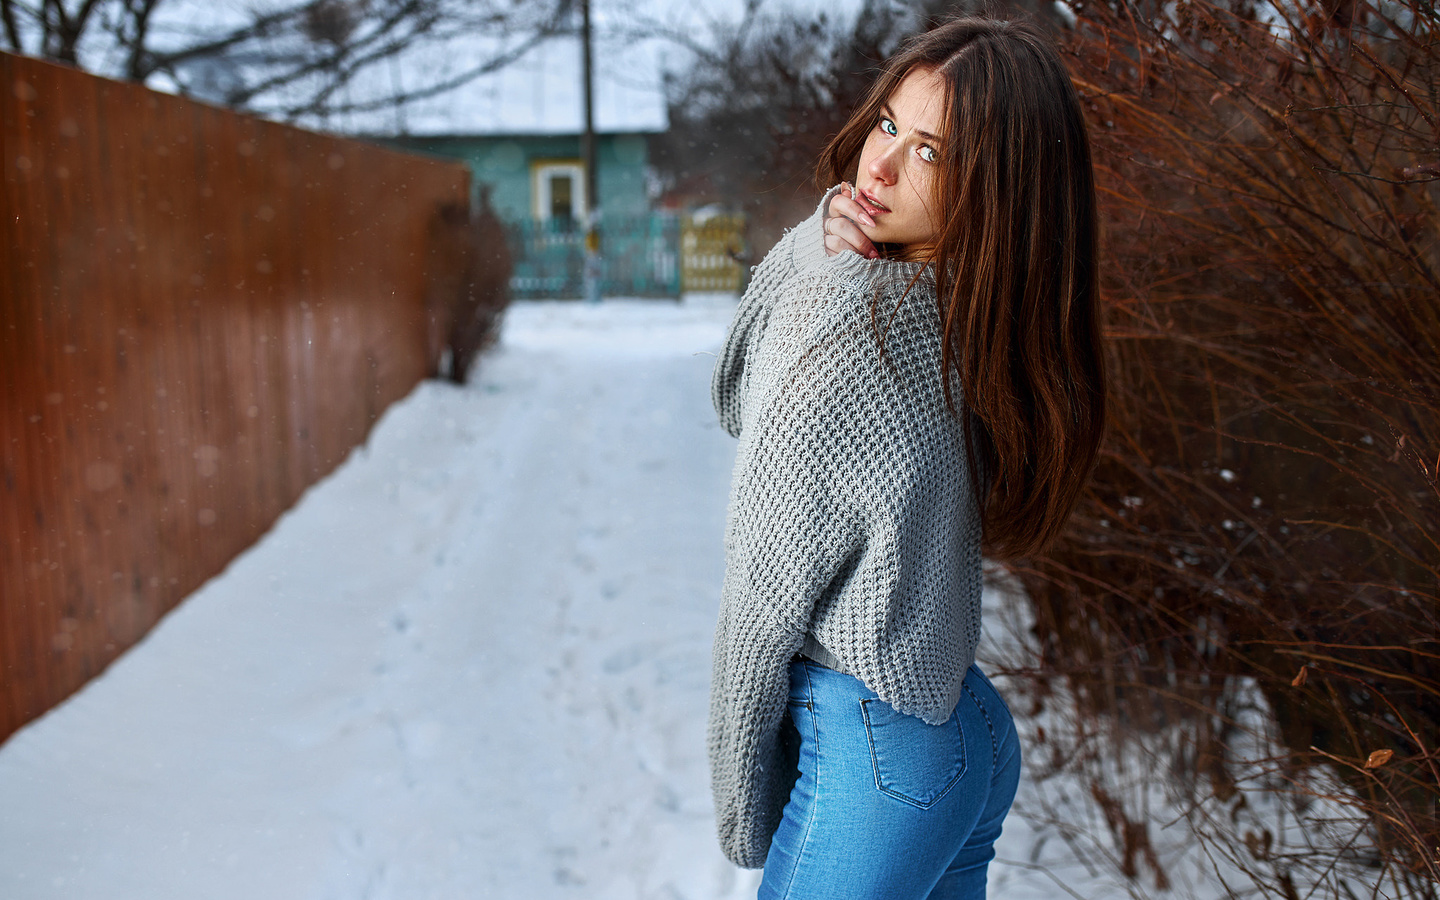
point(885, 108)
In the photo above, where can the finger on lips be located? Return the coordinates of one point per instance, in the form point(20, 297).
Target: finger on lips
point(840, 224)
point(856, 210)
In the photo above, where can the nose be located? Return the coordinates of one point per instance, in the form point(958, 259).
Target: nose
point(882, 165)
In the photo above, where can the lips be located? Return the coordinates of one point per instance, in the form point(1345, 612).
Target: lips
point(868, 202)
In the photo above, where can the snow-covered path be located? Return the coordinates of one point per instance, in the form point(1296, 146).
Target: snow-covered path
point(471, 663)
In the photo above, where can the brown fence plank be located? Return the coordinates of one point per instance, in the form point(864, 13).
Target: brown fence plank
point(201, 313)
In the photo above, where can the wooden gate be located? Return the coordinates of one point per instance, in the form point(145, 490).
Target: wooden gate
point(710, 250)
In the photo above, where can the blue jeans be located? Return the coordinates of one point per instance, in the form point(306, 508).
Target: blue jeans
point(886, 806)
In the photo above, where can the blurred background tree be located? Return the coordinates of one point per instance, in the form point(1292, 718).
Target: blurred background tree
point(749, 118)
point(282, 60)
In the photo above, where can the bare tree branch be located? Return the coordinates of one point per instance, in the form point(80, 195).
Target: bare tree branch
point(140, 11)
point(491, 65)
point(46, 27)
point(258, 29)
point(12, 26)
point(292, 60)
point(67, 29)
point(412, 12)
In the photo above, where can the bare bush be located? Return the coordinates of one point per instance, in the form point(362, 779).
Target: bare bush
point(1266, 512)
point(469, 287)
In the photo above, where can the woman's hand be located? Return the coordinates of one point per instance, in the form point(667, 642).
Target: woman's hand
point(843, 218)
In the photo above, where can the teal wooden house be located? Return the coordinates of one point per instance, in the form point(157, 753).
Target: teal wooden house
point(519, 131)
point(541, 177)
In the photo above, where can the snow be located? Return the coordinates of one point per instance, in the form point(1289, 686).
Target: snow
point(541, 93)
point(472, 662)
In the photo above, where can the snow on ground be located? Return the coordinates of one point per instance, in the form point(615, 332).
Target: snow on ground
point(472, 662)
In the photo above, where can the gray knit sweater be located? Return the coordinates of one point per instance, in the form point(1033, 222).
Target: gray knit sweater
point(851, 514)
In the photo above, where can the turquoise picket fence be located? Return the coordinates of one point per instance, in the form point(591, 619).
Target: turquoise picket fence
point(640, 257)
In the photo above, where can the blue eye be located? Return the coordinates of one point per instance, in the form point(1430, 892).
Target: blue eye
point(888, 127)
point(928, 153)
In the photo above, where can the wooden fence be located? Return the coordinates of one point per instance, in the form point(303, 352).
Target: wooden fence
point(710, 253)
point(201, 313)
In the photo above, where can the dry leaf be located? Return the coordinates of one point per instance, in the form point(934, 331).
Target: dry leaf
point(1299, 679)
point(1379, 758)
point(1258, 843)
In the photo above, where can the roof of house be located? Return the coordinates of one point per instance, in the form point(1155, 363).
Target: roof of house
point(540, 93)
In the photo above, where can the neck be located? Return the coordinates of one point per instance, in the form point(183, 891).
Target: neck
point(915, 253)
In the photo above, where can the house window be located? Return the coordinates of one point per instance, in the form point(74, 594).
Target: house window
point(562, 195)
point(559, 192)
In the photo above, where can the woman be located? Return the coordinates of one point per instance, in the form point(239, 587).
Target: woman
point(914, 370)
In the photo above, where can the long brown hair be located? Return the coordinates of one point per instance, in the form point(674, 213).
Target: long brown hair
point(1014, 267)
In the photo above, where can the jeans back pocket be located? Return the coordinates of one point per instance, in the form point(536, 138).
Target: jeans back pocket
point(914, 761)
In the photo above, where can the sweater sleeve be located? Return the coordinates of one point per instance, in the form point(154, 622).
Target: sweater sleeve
point(797, 525)
point(800, 248)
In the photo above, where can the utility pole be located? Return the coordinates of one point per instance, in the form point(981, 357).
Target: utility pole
point(593, 267)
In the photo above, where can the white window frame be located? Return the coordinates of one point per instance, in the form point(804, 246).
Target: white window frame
point(540, 174)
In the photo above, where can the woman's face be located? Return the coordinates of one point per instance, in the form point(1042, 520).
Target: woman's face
point(899, 166)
